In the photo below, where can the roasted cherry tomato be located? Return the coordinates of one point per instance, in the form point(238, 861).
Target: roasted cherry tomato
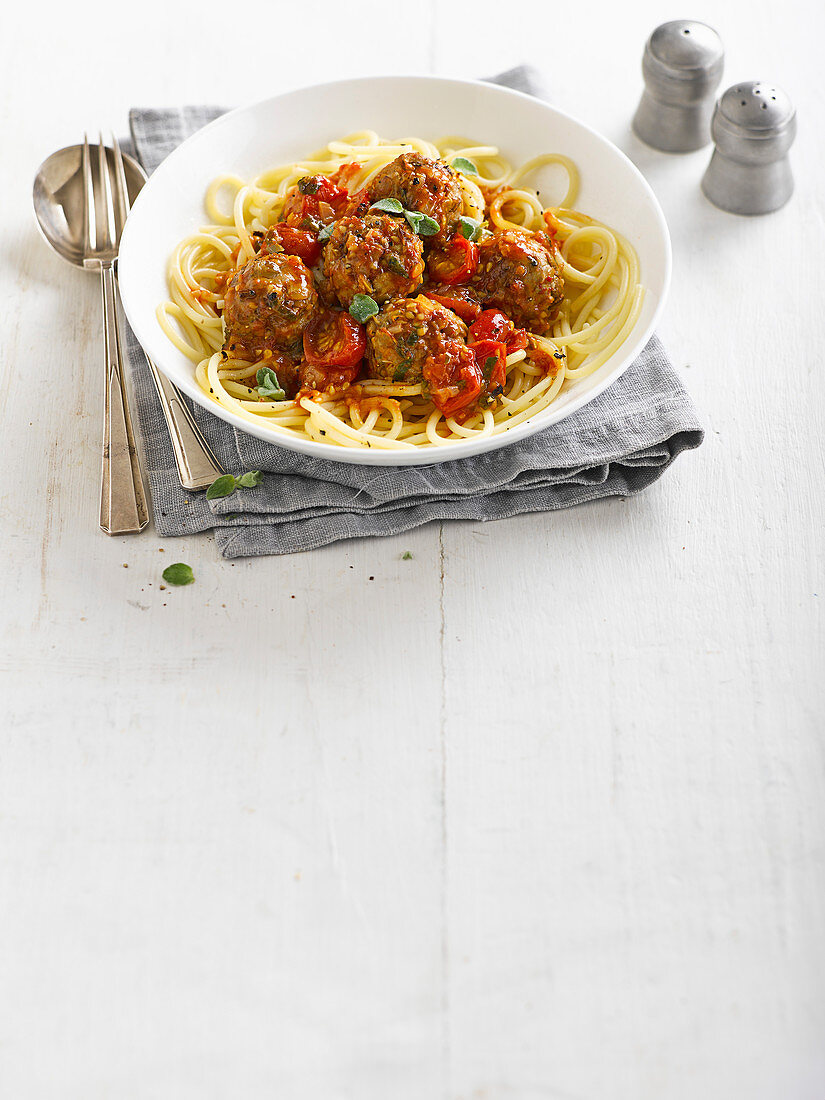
point(358, 205)
point(460, 299)
point(456, 263)
point(313, 202)
point(454, 379)
point(298, 242)
point(495, 325)
point(549, 362)
point(491, 357)
point(345, 174)
point(335, 342)
point(516, 340)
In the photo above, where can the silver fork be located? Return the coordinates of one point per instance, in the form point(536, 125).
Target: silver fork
point(122, 499)
point(197, 465)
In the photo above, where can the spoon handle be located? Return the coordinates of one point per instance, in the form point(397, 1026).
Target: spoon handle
point(122, 499)
point(197, 466)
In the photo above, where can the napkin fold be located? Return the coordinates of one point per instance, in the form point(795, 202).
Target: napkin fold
point(616, 445)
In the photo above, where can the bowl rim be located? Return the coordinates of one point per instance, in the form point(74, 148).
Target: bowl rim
point(425, 455)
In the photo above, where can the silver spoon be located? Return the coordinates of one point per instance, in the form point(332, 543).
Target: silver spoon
point(81, 216)
point(62, 214)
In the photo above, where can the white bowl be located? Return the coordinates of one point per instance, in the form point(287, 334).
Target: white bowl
point(288, 127)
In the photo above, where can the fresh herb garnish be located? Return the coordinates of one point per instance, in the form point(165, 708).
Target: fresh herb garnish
point(489, 365)
point(325, 232)
point(362, 307)
point(228, 483)
point(462, 164)
point(308, 185)
point(178, 574)
point(422, 224)
point(394, 264)
point(268, 384)
point(222, 487)
point(470, 228)
point(388, 206)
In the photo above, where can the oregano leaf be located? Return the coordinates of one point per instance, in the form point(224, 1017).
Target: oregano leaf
point(221, 487)
point(268, 384)
point(422, 224)
point(388, 206)
point(178, 574)
point(470, 228)
point(362, 307)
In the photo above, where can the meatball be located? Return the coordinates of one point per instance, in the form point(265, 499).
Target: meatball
point(408, 332)
point(267, 306)
point(421, 183)
point(518, 273)
point(376, 255)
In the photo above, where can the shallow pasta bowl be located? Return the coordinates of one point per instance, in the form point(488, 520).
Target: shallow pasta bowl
point(288, 127)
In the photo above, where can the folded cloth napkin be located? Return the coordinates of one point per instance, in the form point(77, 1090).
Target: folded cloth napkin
point(616, 445)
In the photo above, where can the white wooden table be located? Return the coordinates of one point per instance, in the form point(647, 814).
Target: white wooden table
point(536, 814)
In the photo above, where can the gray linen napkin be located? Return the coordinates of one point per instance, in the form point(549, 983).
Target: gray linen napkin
point(616, 445)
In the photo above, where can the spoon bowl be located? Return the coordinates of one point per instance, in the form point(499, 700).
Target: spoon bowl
point(58, 198)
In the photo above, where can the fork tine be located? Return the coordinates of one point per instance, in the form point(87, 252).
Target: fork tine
point(122, 203)
point(89, 220)
point(109, 229)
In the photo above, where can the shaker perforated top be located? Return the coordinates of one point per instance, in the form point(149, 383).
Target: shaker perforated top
point(686, 48)
point(756, 105)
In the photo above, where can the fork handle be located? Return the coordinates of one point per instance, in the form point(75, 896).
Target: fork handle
point(197, 465)
point(122, 499)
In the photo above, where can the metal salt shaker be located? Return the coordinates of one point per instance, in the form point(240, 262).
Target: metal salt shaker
point(754, 126)
point(682, 67)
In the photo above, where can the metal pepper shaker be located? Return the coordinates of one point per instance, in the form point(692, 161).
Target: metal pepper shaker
point(754, 126)
point(682, 67)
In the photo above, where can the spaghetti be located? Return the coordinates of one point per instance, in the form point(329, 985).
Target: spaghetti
point(602, 298)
